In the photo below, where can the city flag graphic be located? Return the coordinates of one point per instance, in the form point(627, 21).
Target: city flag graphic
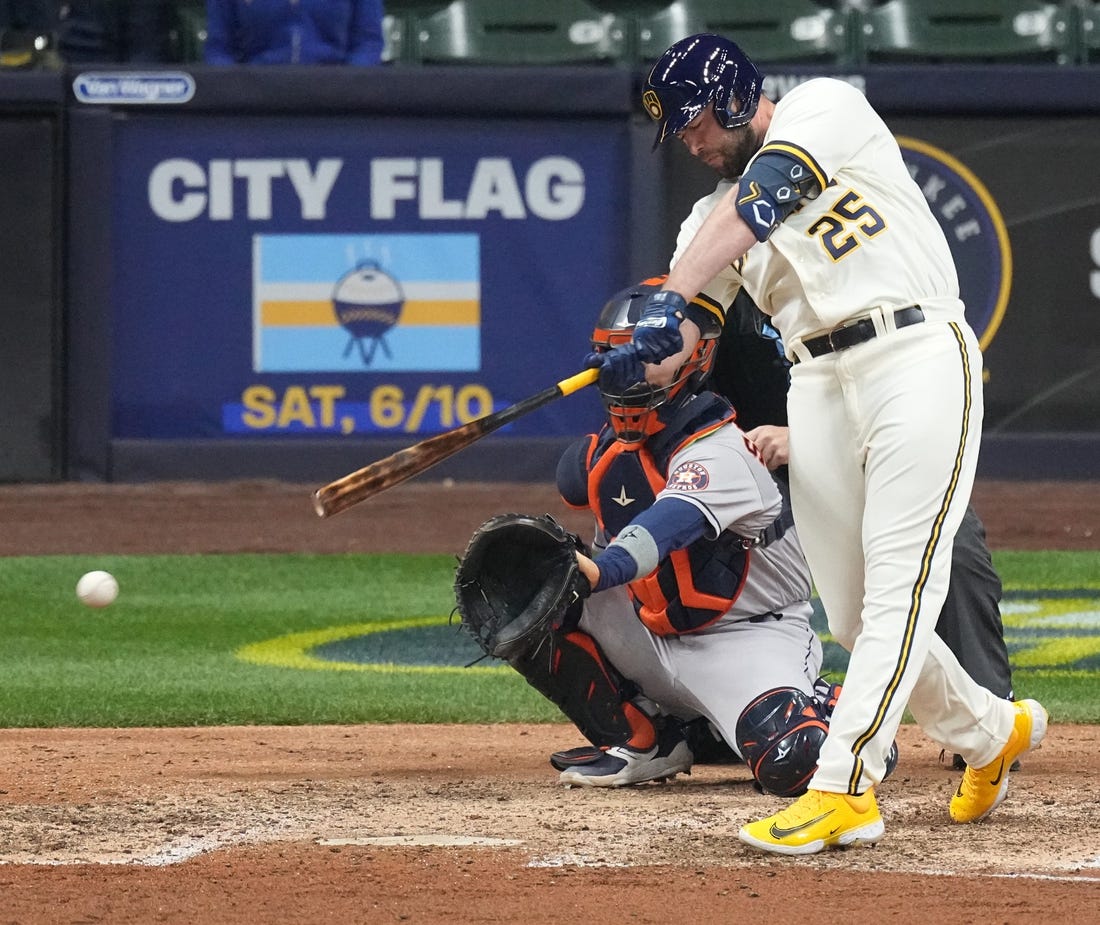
point(366, 303)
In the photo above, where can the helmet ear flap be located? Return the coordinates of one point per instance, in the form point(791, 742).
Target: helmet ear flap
point(634, 414)
point(691, 377)
point(702, 362)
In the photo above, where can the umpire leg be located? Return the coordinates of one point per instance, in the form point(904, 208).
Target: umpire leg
point(970, 622)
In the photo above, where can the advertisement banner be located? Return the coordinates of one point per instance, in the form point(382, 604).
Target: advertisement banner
point(330, 277)
point(1014, 199)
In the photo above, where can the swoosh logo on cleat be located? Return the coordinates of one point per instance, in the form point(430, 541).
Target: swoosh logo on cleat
point(776, 832)
point(1000, 773)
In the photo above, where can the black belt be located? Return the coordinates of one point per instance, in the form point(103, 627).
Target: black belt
point(858, 332)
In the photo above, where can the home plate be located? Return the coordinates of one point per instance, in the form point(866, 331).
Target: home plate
point(433, 841)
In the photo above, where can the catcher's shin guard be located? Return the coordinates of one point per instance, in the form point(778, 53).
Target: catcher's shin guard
point(780, 735)
point(570, 670)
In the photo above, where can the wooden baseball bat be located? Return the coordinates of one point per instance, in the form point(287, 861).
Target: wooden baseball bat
point(404, 464)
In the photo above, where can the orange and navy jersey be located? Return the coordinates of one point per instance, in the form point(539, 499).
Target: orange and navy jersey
point(704, 459)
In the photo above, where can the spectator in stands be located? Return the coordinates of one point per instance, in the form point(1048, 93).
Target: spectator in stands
point(27, 33)
point(294, 32)
point(115, 31)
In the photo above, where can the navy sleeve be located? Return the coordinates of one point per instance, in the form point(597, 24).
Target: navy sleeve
point(641, 546)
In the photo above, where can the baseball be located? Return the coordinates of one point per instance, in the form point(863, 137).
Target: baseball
point(97, 589)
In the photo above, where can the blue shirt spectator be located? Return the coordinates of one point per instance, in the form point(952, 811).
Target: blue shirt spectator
point(293, 32)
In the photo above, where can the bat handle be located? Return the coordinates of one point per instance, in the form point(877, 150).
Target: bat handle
point(579, 381)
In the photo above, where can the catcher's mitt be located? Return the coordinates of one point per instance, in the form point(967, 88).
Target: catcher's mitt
point(516, 581)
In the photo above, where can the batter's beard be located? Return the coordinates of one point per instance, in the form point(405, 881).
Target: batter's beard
point(739, 145)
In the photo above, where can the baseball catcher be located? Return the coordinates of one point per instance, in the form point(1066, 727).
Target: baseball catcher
point(691, 608)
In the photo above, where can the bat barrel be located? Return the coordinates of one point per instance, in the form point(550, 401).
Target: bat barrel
point(404, 464)
point(344, 493)
point(396, 468)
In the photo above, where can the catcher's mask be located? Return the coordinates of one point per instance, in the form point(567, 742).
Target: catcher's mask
point(696, 72)
point(633, 414)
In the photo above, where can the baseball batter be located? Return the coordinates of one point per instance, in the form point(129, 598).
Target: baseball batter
point(819, 220)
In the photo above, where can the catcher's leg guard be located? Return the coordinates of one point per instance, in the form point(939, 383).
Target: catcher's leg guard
point(570, 670)
point(780, 734)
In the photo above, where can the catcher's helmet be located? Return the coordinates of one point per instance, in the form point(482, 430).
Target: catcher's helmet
point(696, 72)
point(633, 413)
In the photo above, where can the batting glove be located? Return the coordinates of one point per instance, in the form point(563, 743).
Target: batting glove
point(657, 333)
point(620, 368)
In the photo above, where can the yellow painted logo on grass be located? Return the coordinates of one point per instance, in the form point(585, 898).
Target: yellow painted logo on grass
point(1045, 630)
point(1059, 633)
point(391, 646)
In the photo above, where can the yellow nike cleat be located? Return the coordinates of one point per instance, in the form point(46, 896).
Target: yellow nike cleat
point(815, 821)
point(981, 790)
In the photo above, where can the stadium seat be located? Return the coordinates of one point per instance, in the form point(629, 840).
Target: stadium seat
point(773, 31)
point(510, 32)
point(1090, 33)
point(394, 48)
point(22, 49)
point(187, 37)
point(985, 31)
point(399, 28)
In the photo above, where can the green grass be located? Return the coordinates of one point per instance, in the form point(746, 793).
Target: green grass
point(1079, 569)
point(1069, 696)
point(164, 652)
point(167, 653)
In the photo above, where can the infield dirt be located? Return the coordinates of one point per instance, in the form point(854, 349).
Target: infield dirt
point(434, 824)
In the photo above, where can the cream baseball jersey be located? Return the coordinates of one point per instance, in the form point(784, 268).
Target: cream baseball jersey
point(827, 263)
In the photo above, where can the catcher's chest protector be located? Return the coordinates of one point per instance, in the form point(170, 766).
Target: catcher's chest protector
point(622, 484)
point(693, 587)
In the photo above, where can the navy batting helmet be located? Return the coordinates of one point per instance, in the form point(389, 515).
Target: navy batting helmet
point(632, 413)
point(696, 72)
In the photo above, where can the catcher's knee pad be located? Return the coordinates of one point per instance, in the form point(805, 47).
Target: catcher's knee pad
point(570, 670)
point(779, 735)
